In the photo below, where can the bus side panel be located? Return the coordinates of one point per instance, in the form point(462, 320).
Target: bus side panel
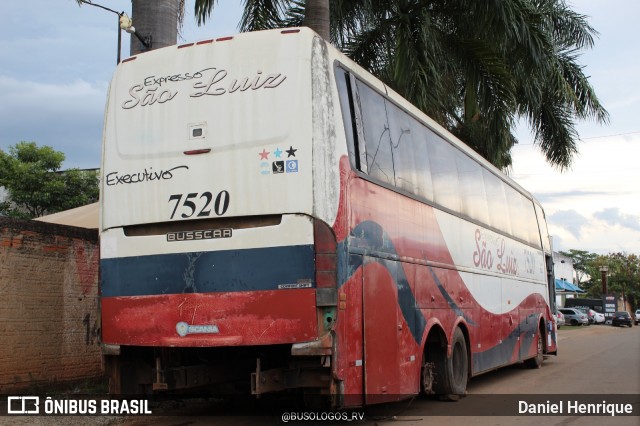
point(349, 344)
point(381, 332)
point(410, 360)
point(389, 225)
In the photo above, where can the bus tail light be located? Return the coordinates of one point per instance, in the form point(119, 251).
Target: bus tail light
point(326, 270)
point(325, 252)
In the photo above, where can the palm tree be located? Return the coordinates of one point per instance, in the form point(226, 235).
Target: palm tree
point(476, 67)
point(266, 14)
point(157, 19)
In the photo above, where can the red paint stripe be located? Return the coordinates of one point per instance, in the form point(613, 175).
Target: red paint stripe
point(243, 318)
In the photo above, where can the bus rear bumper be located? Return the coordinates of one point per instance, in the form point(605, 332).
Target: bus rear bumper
point(321, 346)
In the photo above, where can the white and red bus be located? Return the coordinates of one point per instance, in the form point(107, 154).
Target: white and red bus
point(275, 218)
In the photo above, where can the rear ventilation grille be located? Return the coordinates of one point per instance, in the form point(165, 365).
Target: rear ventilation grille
point(149, 229)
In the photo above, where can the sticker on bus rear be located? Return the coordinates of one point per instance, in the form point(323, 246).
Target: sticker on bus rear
point(301, 284)
point(278, 167)
point(292, 166)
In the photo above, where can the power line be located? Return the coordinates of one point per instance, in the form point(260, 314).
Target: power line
point(589, 138)
point(610, 136)
point(100, 6)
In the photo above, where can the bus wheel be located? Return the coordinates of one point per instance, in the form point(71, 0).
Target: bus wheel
point(452, 373)
point(536, 361)
point(427, 376)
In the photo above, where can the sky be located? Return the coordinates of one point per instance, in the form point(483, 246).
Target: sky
point(57, 60)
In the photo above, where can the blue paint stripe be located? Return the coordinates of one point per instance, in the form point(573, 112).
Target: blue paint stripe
point(501, 354)
point(452, 304)
point(206, 272)
point(369, 238)
point(408, 305)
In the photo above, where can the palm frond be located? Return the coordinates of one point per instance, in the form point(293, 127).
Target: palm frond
point(263, 14)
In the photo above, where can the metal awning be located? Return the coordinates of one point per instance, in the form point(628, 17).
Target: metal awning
point(568, 287)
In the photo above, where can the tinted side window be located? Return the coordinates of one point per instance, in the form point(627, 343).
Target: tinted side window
point(523, 217)
point(444, 172)
point(472, 192)
point(395, 148)
point(410, 158)
point(376, 134)
point(342, 81)
point(542, 229)
point(497, 199)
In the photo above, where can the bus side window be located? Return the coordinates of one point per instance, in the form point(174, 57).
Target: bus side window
point(409, 153)
point(379, 159)
point(444, 172)
point(349, 118)
point(472, 192)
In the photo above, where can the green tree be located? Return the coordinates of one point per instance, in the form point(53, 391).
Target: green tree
point(36, 185)
point(266, 14)
point(593, 283)
point(623, 276)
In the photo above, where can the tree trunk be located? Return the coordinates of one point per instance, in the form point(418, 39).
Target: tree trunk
point(316, 17)
point(154, 20)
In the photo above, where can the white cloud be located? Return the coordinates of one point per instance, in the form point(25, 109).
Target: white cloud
point(22, 93)
point(570, 220)
point(67, 117)
point(595, 206)
point(614, 217)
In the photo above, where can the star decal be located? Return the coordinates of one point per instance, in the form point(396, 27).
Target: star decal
point(291, 152)
point(264, 155)
point(277, 153)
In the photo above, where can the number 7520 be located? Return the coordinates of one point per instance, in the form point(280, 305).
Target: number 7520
point(194, 202)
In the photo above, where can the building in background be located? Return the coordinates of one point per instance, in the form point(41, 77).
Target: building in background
point(564, 276)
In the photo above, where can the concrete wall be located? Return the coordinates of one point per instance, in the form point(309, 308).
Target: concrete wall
point(49, 323)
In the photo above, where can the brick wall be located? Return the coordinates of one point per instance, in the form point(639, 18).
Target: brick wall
point(49, 322)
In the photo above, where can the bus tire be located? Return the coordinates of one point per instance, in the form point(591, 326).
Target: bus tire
point(453, 372)
point(536, 361)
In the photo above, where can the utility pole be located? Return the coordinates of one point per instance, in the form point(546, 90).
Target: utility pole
point(125, 23)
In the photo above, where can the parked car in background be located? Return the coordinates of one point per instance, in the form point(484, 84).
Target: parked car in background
point(574, 316)
point(586, 312)
point(637, 316)
point(598, 318)
point(622, 318)
point(560, 321)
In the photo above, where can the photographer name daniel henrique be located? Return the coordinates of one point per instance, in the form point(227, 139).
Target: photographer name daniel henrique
point(573, 407)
